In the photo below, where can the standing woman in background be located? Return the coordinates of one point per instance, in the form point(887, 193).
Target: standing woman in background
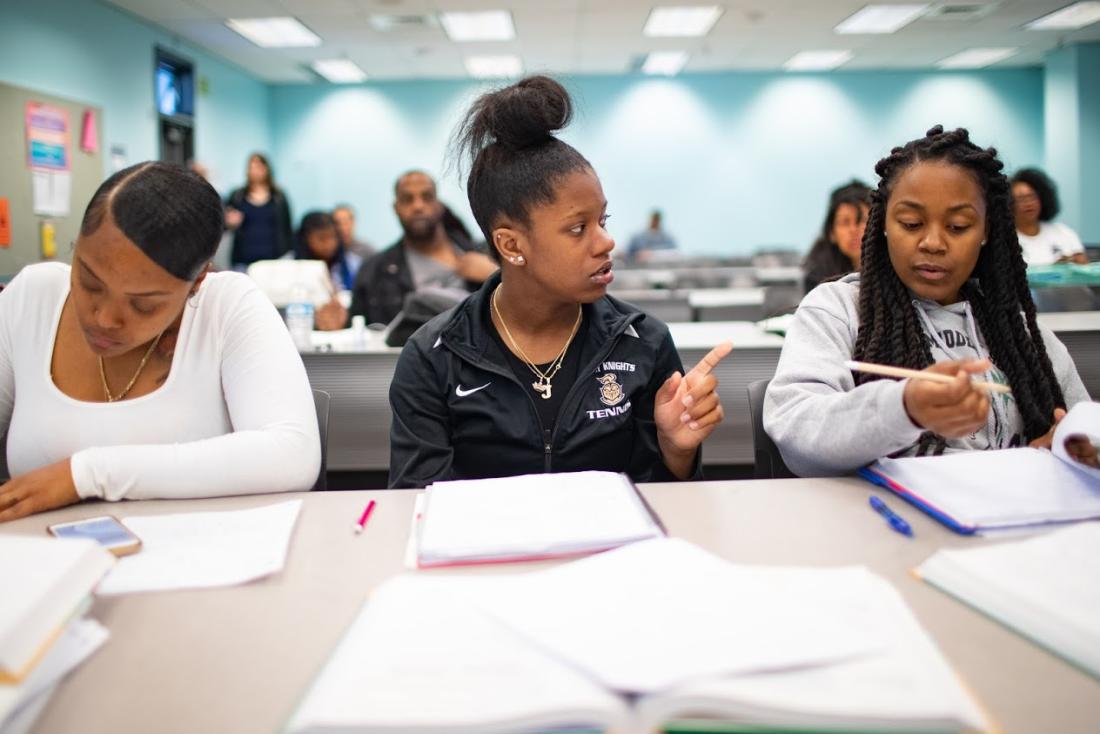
point(541, 370)
point(837, 249)
point(1035, 204)
point(137, 373)
point(259, 215)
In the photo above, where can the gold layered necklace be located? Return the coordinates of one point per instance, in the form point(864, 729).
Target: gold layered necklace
point(144, 360)
point(542, 385)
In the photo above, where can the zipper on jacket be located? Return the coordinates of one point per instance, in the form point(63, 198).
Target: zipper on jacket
point(548, 448)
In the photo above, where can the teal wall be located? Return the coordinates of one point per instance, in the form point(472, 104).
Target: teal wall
point(736, 160)
point(1072, 112)
point(91, 52)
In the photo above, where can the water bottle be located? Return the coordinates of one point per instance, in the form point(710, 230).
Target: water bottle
point(359, 332)
point(299, 318)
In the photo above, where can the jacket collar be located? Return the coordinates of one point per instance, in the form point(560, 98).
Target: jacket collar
point(467, 331)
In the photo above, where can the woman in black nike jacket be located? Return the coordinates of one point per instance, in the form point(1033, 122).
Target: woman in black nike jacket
point(541, 370)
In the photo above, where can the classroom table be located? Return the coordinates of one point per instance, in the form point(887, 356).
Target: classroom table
point(359, 379)
point(239, 659)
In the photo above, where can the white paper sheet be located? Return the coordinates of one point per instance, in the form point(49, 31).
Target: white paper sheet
point(657, 613)
point(204, 549)
point(52, 192)
point(77, 642)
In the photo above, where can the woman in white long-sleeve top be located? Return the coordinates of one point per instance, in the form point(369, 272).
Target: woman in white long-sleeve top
point(136, 373)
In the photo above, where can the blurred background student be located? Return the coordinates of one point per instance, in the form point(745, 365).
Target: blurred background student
point(259, 215)
point(837, 248)
point(344, 216)
point(653, 238)
point(1035, 200)
point(317, 239)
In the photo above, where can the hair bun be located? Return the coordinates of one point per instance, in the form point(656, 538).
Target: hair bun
point(525, 113)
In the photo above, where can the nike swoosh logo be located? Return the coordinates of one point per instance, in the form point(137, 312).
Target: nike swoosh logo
point(463, 393)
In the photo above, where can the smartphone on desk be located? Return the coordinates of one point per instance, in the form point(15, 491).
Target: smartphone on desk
point(105, 530)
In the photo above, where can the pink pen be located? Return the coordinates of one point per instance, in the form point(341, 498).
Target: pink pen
point(366, 516)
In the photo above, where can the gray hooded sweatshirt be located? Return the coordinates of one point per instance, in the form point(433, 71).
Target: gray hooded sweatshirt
point(824, 425)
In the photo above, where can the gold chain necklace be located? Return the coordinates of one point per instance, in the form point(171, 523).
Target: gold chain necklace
point(542, 386)
point(103, 375)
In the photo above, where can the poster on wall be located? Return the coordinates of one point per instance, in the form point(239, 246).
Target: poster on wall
point(47, 137)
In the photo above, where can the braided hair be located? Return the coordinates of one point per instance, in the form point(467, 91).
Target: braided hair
point(890, 330)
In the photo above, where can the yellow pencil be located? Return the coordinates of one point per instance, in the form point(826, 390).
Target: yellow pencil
point(882, 369)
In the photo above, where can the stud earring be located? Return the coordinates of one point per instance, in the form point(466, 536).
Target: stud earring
point(519, 260)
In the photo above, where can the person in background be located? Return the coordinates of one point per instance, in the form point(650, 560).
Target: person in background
point(344, 216)
point(836, 251)
point(1035, 204)
point(317, 239)
point(649, 240)
point(259, 215)
point(136, 373)
point(425, 258)
point(942, 288)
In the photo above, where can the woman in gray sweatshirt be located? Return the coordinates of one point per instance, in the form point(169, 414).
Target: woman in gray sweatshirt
point(942, 287)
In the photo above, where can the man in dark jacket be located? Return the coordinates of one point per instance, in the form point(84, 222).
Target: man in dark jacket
point(425, 258)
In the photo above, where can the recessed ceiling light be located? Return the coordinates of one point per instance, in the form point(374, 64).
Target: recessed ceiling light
point(666, 63)
point(274, 32)
point(494, 67)
point(817, 60)
point(1072, 17)
point(976, 58)
point(339, 71)
point(682, 21)
point(488, 25)
point(881, 18)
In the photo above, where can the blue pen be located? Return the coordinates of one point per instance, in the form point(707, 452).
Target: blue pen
point(895, 520)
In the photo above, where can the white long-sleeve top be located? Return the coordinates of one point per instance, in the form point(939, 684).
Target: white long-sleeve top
point(235, 415)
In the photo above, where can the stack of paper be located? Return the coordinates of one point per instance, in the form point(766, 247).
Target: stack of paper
point(591, 645)
point(529, 517)
point(46, 586)
point(1047, 588)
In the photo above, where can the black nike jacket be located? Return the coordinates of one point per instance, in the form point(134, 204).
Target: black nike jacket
point(459, 411)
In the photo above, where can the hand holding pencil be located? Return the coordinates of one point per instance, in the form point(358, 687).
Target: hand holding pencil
point(943, 398)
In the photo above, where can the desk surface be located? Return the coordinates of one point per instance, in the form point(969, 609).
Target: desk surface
point(239, 659)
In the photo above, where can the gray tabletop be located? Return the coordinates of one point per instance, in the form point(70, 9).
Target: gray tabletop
point(239, 659)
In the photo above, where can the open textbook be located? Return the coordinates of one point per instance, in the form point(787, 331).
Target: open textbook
point(970, 491)
point(1047, 588)
point(442, 654)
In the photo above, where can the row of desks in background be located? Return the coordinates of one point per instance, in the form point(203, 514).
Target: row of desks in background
point(359, 383)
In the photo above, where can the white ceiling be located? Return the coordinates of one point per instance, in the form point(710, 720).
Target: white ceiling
point(596, 36)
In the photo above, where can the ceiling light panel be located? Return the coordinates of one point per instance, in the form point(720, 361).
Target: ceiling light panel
point(339, 71)
point(665, 63)
point(489, 25)
point(977, 58)
point(1073, 17)
point(284, 32)
point(681, 22)
point(494, 67)
point(817, 60)
point(881, 18)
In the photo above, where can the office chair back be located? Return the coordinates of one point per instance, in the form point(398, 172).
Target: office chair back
point(321, 401)
point(767, 462)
